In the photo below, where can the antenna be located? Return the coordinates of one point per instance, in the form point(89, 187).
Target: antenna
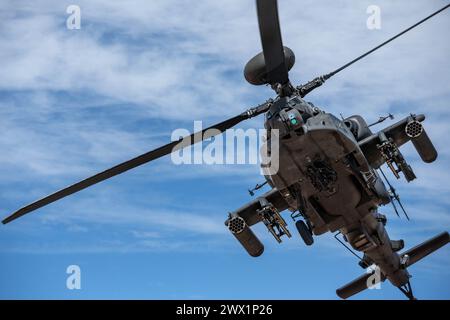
point(382, 119)
point(257, 187)
point(394, 196)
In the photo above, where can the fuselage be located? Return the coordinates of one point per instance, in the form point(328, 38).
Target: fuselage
point(323, 174)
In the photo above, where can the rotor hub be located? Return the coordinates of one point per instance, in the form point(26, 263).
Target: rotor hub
point(255, 71)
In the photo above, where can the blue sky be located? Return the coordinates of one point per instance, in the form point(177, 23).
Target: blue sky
point(74, 102)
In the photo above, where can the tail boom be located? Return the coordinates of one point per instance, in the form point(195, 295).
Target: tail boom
point(409, 257)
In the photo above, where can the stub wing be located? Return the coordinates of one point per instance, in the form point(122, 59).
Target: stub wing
point(249, 211)
point(266, 209)
point(408, 129)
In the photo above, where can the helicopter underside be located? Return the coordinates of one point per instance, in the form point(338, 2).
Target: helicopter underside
point(324, 174)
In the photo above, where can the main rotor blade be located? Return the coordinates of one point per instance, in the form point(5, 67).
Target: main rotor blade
point(269, 29)
point(329, 75)
point(140, 160)
point(317, 82)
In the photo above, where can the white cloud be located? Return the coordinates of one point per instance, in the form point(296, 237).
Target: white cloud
point(173, 62)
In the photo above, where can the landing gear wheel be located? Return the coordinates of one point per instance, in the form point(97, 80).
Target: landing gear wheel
point(304, 232)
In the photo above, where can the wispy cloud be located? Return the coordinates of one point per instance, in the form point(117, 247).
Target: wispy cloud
point(76, 101)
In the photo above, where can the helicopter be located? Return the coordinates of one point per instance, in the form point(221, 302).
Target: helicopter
point(329, 176)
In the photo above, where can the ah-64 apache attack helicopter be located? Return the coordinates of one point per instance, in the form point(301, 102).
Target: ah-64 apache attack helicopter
point(329, 168)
